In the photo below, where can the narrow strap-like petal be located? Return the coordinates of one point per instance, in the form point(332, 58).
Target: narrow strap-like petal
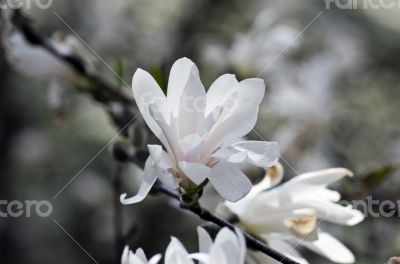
point(331, 248)
point(146, 92)
point(149, 178)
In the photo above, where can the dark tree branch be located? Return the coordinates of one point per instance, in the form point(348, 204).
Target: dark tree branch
point(206, 215)
point(103, 91)
point(87, 82)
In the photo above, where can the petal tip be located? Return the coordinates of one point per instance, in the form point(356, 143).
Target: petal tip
point(122, 198)
point(347, 172)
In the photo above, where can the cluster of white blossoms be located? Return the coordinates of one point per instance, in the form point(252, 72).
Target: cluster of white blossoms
point(202, 141)
point(201, 133)
point(228, 248)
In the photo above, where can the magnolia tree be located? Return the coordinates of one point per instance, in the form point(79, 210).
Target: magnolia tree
point(193, 137)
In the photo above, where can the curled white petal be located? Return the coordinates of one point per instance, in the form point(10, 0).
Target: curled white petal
point(149, 178)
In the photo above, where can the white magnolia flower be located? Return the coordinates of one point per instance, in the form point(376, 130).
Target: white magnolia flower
point(289, 214)
point(128, 257)
point(228, 248)
point(258, 48)
point(200, 131)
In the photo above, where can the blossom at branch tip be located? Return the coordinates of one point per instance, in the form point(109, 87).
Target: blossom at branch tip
point(200, 131)
point(228, 248)
point(289, 215)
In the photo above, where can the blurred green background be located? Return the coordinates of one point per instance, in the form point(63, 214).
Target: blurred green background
point(332, 100)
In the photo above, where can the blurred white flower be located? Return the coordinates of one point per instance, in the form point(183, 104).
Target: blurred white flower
point(128, 257)
point(289, 214)
point(38, 62)
point(228, 248)
point(199, 131)
point(303, 92)
point(29, 59)
point(255, 49)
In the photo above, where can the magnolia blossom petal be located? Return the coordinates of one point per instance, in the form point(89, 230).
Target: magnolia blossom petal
point(179, 76)
point(269, 203)
point(272, 177)
point(205, 241)
point(220, 91)
point(160, 157)
point(322, 177)
point(334, 213)
point(186, 96)
point(140, 254)
point(201, 257)
point(125, 255)
point(242, 245)
point(191, 146)
point(274, 221)
point(323, 193)
point(210, 120)
point(239, 117)
point(147, 92)
point(170, 137)
point(229, 181)
point(155, 259)
point(163, 164)
point(286, 249)
point(259, 153)
point(149, 178)
point(303, 192)
point(133, 259)
point(139, 257)
point(331, 248)
point(196, 172)
point(225, 248)
point(176, 253)
point(230, 155)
